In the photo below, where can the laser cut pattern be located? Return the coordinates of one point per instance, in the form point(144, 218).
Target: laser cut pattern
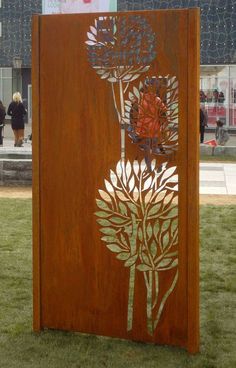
point(120, 50)
point(138, 217)
point(111, 54)
point(138, 211)
point(151, 112)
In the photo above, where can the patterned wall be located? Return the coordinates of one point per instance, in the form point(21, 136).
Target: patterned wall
point(15, 16)
point(218, 25)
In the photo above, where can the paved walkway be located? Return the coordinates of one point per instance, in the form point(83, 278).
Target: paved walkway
point(218, 178)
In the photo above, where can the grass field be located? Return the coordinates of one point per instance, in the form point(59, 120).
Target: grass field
point(219, 158)
point(20, 347)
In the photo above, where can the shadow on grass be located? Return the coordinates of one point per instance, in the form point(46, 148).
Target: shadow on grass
point(20, 347)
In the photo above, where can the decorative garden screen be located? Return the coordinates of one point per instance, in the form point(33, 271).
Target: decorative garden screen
point(116, 174)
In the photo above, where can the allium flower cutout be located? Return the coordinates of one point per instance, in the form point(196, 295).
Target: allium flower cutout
point(138, 214)
point(121, 48)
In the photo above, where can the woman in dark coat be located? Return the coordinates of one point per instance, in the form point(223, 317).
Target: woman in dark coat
point(2, 118)
point(17, 111)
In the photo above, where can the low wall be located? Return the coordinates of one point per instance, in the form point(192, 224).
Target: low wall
point(207, 150)
point(15, 172)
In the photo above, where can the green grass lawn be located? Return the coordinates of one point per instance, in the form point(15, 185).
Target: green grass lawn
point(218, 158)
point(20, 347)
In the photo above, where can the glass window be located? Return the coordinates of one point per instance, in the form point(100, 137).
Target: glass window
point(6, 85)
point(218, 93)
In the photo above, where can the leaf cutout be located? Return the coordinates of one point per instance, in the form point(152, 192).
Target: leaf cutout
point(100, 71)
point(93, 30)
point(154, 210)
point(171, 214)
point(141, 85)
point(114, 248)
point(167, 173)
point(101, 204)
point(127, 77)
point(166, 225)
point(147, 183)
point(140, 235)
point(109, 239)
point(136, 167)
point(145, 69)
point(168, 198)
point(156, 228)
point(109, 187)
point(153, 164)
point(132, 207)
point(105, 75)
point(148, 196)
point(136, 92)
point(104, 195)
point(123, 240)
point(165, 262)
point(145, 259)
point(149, 230)
point(131, 261)
point(153, 249)
point(128, 230)
point(113, 178)
point(91, 37)
point(112, 79)
point(123, 209)
point(102, 214)
point(174, 226)
point(104, 222)
point(90, 43)
point(128, 170)
point(108, 231)
point(129, 103)
point(119, 169)
point(136, 76)
point(160, 196)
point(123, 256)
point(121, 196)
point(173, 254)
point(169, 267)
point(143, 166)
point(135, 194)
point(173, 179)
point(165, 240)
point(143, 267)
point(117, 220)
point(131, 184)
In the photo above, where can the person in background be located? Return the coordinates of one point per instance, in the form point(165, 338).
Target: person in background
point(221, 133)
point(203, 122)
point(17, 112)
point(2, 119)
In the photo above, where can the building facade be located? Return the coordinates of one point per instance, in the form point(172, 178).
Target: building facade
point(15, 48)
point(218, 50)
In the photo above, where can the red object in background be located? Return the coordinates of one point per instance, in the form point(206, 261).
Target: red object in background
point(87, 1)
point(212, 143)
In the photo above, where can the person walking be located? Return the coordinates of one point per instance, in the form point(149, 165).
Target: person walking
point(2, 120)
point(203, 123)
point(17, 112)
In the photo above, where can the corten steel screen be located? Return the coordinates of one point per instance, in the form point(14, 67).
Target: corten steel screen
point(115, 149)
